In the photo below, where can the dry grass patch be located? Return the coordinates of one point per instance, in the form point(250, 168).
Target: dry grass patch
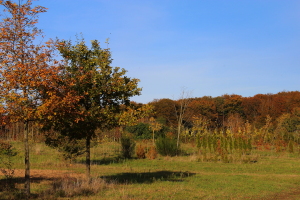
point(74, 187)
point(53, 184)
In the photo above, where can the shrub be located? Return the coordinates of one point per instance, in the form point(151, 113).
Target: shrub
point(152, 153)
point(73, 187)
point(140, 131)
point(291, 147)
point(7, 152)
point(166, 146)
point(140, 151)
point(128, 146)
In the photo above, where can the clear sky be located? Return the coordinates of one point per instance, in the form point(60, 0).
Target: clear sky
point(209, 47)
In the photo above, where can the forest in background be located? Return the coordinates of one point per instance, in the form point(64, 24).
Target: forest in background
point(271, 121)
point(278, 112)
point(229, 111)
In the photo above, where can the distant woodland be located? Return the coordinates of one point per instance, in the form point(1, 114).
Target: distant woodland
point(230, 111)
point(226, 112)
point(267, 117)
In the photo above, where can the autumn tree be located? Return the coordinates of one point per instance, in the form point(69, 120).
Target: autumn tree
point(154, 126)
point(164, 111)
point(26, 67)
point(292, 100)
point(251, 108)
point(132, 114)
point(219, 102)
point(204, 106)
point(101, 88)
point(232, 104)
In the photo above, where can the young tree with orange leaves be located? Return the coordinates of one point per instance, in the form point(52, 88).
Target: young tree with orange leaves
point(27, 69)
point(154, 126)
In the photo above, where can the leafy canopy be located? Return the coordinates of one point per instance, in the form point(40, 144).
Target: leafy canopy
point(26, 68)
point(101, 89)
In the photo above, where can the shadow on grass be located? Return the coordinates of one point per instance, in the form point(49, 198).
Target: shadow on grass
point(9, 191)
point(147, 177)
point(57, 187)
point(105, 161)
point(13, 181)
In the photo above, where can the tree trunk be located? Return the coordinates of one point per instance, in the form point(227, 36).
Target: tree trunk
point(179, 126)
point(178, 133)
point(27, 162)
point(88, 157)
point(153, 139)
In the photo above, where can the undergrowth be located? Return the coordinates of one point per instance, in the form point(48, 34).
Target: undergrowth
point(74, 187)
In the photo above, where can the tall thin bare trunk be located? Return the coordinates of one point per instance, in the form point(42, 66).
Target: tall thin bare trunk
point(88, 157)
point(178, 132)
point(184, 101)
point(153, 138)
point(27, 162)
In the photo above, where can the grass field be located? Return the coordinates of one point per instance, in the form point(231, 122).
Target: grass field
point(272, 176)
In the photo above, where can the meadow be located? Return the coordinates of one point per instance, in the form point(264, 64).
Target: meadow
point(271, 175)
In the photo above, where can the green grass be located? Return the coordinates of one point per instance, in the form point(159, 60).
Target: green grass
point(181, 177)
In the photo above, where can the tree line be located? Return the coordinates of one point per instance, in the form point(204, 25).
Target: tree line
point(269, 120)
point(229, 110)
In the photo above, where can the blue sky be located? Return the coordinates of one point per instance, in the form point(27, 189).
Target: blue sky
point(208, 47)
